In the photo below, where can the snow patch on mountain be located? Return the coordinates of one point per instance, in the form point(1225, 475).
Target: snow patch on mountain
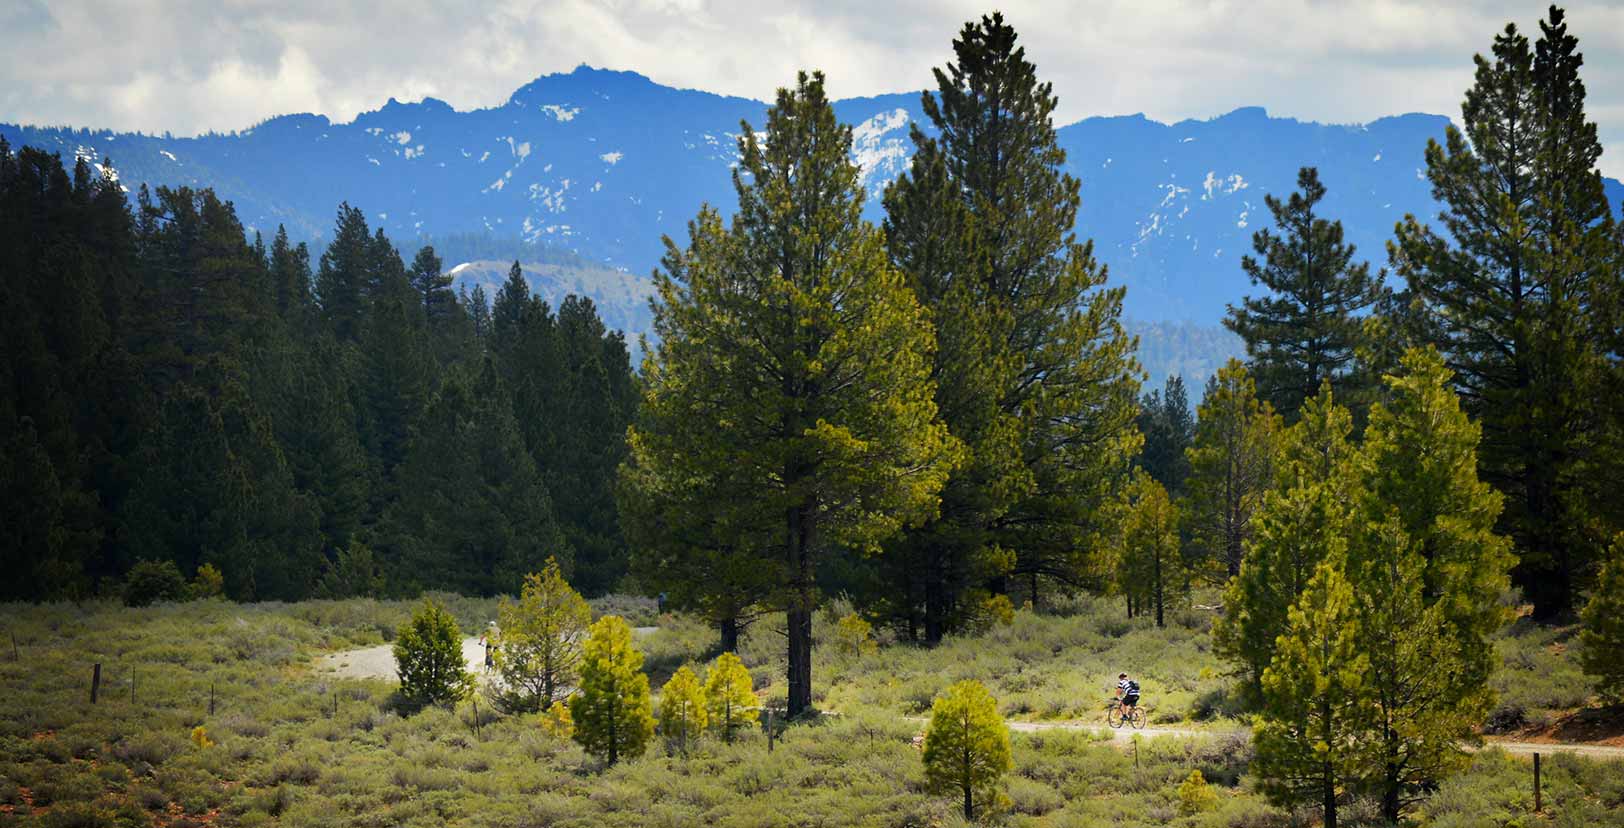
point(878, 152)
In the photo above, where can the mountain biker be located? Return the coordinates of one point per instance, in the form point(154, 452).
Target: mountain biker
point(1128, 692)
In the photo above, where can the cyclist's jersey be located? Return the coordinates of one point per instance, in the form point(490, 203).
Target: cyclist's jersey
point(1129, 687)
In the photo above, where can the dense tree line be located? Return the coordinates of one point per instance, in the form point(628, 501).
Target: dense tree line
point(953, 391)
point(1375, 549)
point(173, 389)
point(1519, 287)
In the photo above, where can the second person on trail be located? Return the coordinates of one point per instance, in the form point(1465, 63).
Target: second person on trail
point(488, 639)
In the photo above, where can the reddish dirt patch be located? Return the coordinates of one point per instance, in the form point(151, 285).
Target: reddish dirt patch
point(1587, 726)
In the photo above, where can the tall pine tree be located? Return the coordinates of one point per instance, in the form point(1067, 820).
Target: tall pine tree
point(1034, 371)
point(1307, 329)
point(765, 373)
point(1509, 292)
point(1231, 466)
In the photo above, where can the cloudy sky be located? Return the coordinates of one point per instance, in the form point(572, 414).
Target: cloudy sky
point(193, 65)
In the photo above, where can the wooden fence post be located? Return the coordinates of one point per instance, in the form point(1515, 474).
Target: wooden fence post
point(132, 684)
point(15, 656)
point(95, 682)
point(211, 699)
point(769, 730)
point(1538, 803)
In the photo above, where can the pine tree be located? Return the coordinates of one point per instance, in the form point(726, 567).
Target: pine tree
point(612, 712)
point(966, 744)
point(541, 640)
point(433, 286)
point(730, 696)
point(1166, 421)
point(1418, 719)
point(69, 393)
point(598, 400)
point(702, 562)
point(1602, 639)
point(397, 380)
point(479, 313)
point(1315, 701)
point(353, 572)
point(682, 710)
point(473, 515)
point(1307, 329)
point(1510, 289)
point(428, 657)
point(346, 275)
point(1309, 516)
point(507, 312)
point(306, 389)
point(215, 489)
point(765, 373)
point(1147, 537)
point(1035, 372)
point(31, 517)
point(292, 281)
point(1420, 462)
point(1231, 466)
point(927, 237)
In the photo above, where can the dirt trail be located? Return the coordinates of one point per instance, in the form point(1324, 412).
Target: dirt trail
point(1127, 734)
point(379, 661)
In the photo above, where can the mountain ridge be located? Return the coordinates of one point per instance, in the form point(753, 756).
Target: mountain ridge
point(607, 162)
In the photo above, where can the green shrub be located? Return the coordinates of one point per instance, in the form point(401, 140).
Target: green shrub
point(1603, 637)
point(540, 644)
point(613, 716)
point(353, 573)
point(966, 745)
point(428, 657)
point(1195, 795)
point(151, 582)
point(208, 583)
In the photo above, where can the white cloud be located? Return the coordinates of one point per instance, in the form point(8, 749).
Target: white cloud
point(196, 65)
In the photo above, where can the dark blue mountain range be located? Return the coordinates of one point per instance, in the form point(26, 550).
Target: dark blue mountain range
point(604, 163)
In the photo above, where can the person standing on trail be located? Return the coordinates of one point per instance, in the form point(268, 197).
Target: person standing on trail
point(488, 639)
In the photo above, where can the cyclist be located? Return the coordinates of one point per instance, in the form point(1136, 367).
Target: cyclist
point(1127, 692)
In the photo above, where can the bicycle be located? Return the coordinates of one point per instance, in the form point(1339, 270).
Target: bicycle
point(1114, 715)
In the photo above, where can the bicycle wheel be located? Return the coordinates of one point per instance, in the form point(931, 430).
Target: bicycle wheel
point(1138, 718)
point(1113, 716)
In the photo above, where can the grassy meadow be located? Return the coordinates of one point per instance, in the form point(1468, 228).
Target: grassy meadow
point(289, 745)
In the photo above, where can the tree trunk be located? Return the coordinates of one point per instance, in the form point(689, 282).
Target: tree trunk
point(1160, 622)
point(799, 613)
point(1391, 781)
point(800, 660)
point(935, 601)
point(969, 804)
point(1390, 800)
point(729, 628)
point(998, 585)
point(1330, 796)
